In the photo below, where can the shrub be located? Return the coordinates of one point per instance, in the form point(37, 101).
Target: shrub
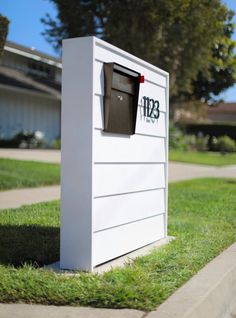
point(25, 139)
point(176, 138)
point(210, 129)
point(224, 144)
point(180, 141)
point(202, 143)
point(56, 144)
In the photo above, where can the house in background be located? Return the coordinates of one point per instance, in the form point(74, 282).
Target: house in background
point(223, 112)
point(30, 92)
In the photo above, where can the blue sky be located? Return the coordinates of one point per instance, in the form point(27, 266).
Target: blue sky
point(26, 28)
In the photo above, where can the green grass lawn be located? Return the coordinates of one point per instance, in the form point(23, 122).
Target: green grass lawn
point(205, 158)
point(202, 216)
point(23, 174)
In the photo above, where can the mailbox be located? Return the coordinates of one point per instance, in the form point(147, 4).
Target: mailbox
point(120, 98)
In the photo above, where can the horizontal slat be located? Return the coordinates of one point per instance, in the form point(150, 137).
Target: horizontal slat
point(121, 148)
point(123, 239)
point(150, 126)
point(124, 178)
point(155, 92)
point(144, 125)
point(121, 209)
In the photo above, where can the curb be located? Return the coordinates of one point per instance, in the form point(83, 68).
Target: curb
point(210, 293)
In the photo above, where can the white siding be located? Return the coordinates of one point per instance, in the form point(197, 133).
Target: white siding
point(22, 111)
point(116, 210)
point(126, 176)
point(123, 239)
point(128, 167)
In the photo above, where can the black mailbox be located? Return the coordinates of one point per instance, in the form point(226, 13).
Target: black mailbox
point(120, 99)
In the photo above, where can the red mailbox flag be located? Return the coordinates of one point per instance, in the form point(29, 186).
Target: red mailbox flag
point(142, 79)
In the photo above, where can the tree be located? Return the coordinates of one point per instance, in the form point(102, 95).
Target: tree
point(3, 32)
point(220, 74)
point(184, 37)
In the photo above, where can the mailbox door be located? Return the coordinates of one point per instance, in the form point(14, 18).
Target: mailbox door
point(121, 112)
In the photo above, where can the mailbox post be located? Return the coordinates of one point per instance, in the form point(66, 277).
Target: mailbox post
point(114, 174)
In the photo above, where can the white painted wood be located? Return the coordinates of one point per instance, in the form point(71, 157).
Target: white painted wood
point(124, 178)
point(119, 148)
point(107, 54)
point(150, 126)
point(167, 158)
point(153, 91)
point(121, 209)
point(123, 239)
point(76, 155)
point(113, 186)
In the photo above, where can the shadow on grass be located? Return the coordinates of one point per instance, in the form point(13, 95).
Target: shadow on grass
point(28, 244)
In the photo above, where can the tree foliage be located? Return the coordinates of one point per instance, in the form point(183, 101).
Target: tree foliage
point(191, 39)
point(3, 32)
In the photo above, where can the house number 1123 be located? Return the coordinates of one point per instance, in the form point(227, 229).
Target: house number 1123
point(151, 108)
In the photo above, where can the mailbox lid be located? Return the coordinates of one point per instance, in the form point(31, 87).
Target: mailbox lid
point(125, 80)
point(121, 78)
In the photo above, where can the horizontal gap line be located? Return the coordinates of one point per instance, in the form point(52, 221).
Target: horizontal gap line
point(125, 136)
point(128, 163)
point(140, 134)
point(127, 223)
point(124, 193)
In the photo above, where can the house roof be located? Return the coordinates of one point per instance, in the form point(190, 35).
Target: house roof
point(223, 108)
point(12, 78)
point(32, 53)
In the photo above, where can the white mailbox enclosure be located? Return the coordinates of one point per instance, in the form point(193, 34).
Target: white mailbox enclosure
point(114, 185)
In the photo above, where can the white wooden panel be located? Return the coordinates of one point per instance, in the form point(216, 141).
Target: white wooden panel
point(76, 154)
point(98, 119)
point(121, 148)
point(123, 239)
point(121, 209)
point(150, 126)
point(152, 90)
point(113, 186)
point(151, 73)
point(123, 178)
point(144, 125)
point(99, 78)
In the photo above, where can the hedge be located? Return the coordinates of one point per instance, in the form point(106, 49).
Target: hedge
point(210, 129)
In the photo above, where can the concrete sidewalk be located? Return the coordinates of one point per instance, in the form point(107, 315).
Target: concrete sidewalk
point(44, 155)
point(16, 198)
point(185, 171)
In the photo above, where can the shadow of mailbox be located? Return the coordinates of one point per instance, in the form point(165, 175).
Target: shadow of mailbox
point(120, 99)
